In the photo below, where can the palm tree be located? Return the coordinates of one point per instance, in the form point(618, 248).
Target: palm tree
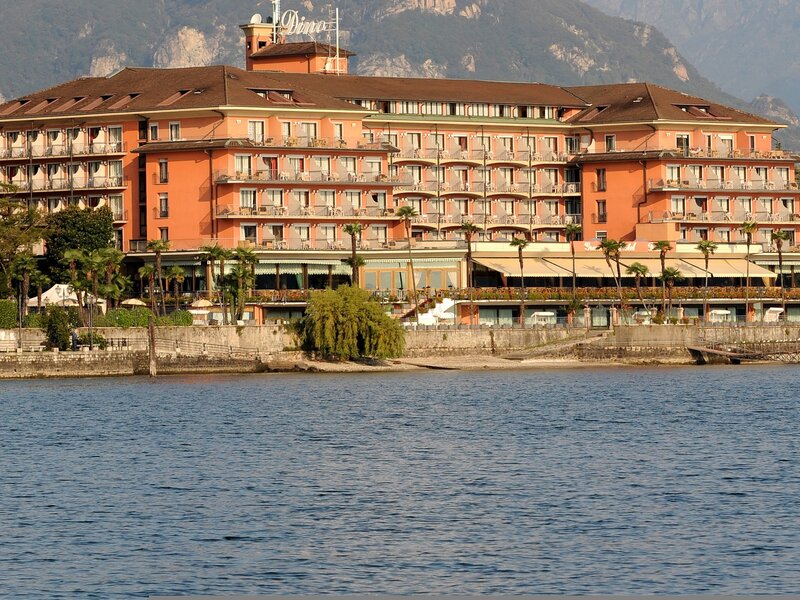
point(707, 248)
point(611, 249)
point(748, 228)
point(213, 253)
point(354, 231)
point(23, 267)
point(572, 231)
point(638, 271)
point(149, 272)
point(669, 277)
point(94, 265)
point(158, 247)
point(663, 246)
point(469, 229)
point(246, 276)
point(112, 259)
point(40, 281)
point(177, 275)
point(778, 238)
point(74, 258)
point(520, 244)
point(406, 213)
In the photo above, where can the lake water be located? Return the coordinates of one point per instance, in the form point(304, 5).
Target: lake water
point(679, 480)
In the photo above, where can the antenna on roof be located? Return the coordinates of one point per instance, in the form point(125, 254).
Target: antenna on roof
point(255, 19)
point(276, 19)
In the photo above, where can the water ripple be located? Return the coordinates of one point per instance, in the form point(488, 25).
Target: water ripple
point(680, 481)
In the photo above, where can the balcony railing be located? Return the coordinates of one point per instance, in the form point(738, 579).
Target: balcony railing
point(296, 210)
point(63, 150)
point(717, 185)
point(720, 216)
point(301, 141)
point(289, 176)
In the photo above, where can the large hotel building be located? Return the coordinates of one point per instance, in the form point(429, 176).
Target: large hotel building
point(280, 156)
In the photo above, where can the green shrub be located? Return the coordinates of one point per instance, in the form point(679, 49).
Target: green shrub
point(35, 320)
point(124, 317)
point(57, 328)
point(97, 339)
point(181, 318)
point(8, 314)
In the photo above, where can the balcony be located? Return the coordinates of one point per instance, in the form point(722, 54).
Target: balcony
point(715, 185)
point(733, 154)
point(720, 217)
point(63, 151)
point(62, 185)
point(320, 143)
point(311, 177)
point(319, 213)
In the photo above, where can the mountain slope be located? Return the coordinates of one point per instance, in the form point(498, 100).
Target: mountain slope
point(566, 42)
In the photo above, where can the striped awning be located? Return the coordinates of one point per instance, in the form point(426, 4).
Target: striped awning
point(532, 266)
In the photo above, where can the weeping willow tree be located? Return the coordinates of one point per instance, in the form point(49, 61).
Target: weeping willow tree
point(347, 323)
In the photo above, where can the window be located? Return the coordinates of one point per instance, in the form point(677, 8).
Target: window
point(724, 235)
point(502, 110)
point(414, 141)
point(724, 205)
point(682, 142)
point(695, 173)
point(601, 235)
point(601, 180)
point(348, 164)
point(716, 175)
point(602, 216)
point(478, 110)
point(163, 206)
point(115, 172)
point(338, 131)
point(327, 198)
point(115, 202)
point(432, 108)
point(381, 233)
point(174, 131)
point(308, 131)
point(751, 140)
point(286, 129)
point(153, 132)
point(163, 171)
point(163, 234)
point(247, 200)
point(303, 198)
point(673, 175)
point(242, 165)
point(249, 232)
point(115, 139)
point(611, 143)
point(678, 206)
point(303, 232)
point(551, 144)
point(353, 199)
point(255, 131)
point(274, 197)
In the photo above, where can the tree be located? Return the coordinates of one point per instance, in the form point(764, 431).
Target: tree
point(669, 277)
point(348, 323)
point(520, 244)
point(111, 259)
point(638, 271)
point(663, 246)
point(778, 238)
point(407, 213)
point(158, 247)
point(572, 231)
point(149, 272)
point(354, 231)
point(177, 275)
point(245, 277)
point(469, 229)
point(212, 253)
point(74, 260)
point(611, 249)
point(748, 228)
point(707, 248)
point(76, 229)
point(39, 281)
point(22, 269)
point(20, 228)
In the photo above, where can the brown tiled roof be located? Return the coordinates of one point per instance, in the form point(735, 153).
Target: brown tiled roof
point(443, 90)
point(139, 90)
point(625, 156)
point(628, 102)
point(300, 48)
